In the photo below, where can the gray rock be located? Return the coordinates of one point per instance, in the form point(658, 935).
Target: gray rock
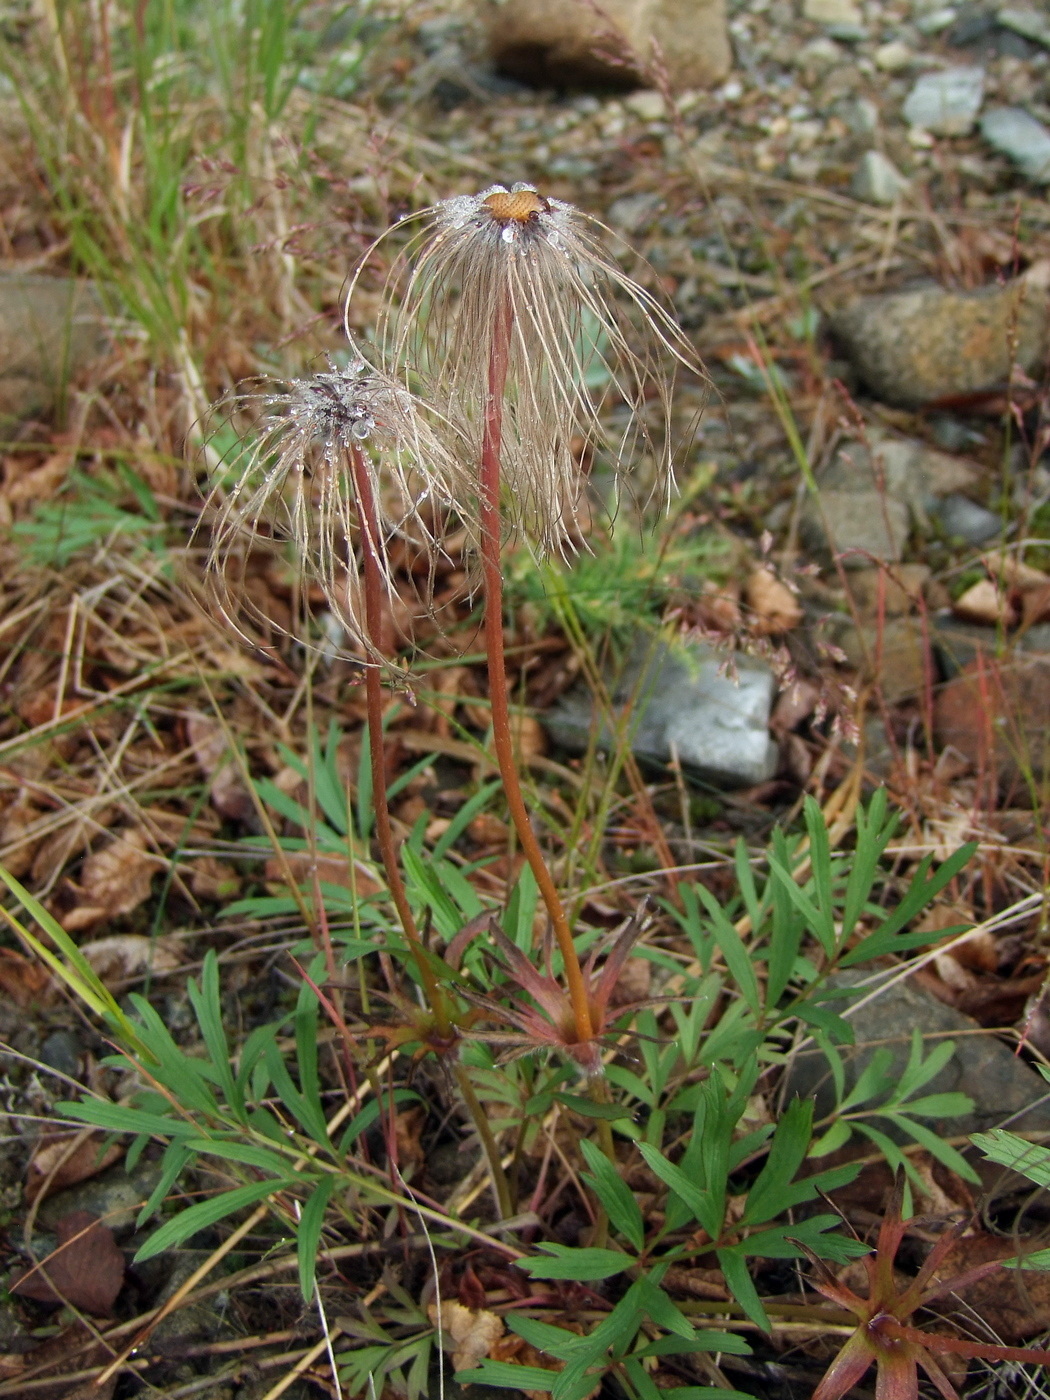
point(51, 328)
point(62, 1050)
point(570, 44)
point(877, 180)
point(114, 1196)
point(958, 643)
point(1002, 1087)
point(933, 21)
point(902, 468)
point(946, 102)
point(710, 709)
point(961, 518)
point(893, 656)
point(916, 347)
point(859, 526)
point(1030, 23)
point(1018, 135)
point(1036, 639)
point(843, 19)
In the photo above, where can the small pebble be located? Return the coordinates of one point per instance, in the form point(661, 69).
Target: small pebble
point(1029, 23)
point(947, 102)
point(961, 518)
point(877, 180)
point(894, 57)
point(647, 105)
point(1018, 135)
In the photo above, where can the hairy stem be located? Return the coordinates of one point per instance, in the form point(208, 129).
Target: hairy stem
point(373, 589)
point(436, 999)
point(497, 667)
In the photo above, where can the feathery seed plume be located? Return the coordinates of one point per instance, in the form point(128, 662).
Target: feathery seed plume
point(290, 481)
point(514, 265)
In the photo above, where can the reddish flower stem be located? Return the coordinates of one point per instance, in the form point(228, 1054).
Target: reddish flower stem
point(373, 590)
point(491, 532)
point(436, 999)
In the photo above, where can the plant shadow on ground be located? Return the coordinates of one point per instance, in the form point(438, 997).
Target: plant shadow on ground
point(213, 1018)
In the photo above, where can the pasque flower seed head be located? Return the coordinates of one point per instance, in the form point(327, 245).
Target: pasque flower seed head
point(290, 480)
point(517, 266)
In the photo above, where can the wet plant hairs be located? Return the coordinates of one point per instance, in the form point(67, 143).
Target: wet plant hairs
point(575, 319)
point(289, 481)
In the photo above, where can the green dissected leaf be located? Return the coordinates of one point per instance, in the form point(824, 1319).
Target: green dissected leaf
point(777, 1242)
point(738, 959)
point(943, 1151)
point(823, 874)
point(305, 1024)
point(615, 1195)
point(558, 1342)
point(822, 1018)
point(184, 1075)
point(887, 937)
point(836, 1136)
point(951, 1104)
point(733, 1263)
point(919, 1071)
point(587, 1108)
point(1013, 1151)
point(1038, 1259)
point(118, 1118)
point(786, 1154)
point(821, 922)
point(308, 1114)
point(176, 1156)
point(647, 1389)
point(873, 835)
point(188, 1222)
point(506, 1376)
point(705, 1209)
point(873, 1079)
point(663, 1312)
point(785, 939)
point(703, 1340)
point(327, 838)
point(308, 1235)
point(245, 1152)
point(580, 1264)
point(207, 1006)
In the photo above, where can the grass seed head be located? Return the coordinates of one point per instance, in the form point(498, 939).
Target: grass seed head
point(289, 481)
point(583, 337)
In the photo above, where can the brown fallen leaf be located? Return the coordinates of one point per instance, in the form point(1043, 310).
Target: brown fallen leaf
point(113, 881)
point(22, 981)
point(530, 740)
point(1014, 1303)
point(468, 1333)
point(213, 879)
point(226, 788)
point(62, 1159)
point(85, 1271)
point(774, 608)
point(125, 955)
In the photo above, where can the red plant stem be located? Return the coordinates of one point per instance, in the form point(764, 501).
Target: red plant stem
point(957, 1346)
point(489, 499)
point(373, 589)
